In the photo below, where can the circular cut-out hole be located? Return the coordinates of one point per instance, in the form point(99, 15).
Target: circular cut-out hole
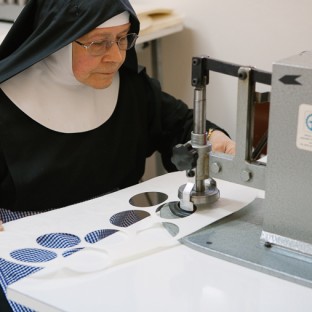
point(95, 236)
point(89, 260)
point(128, 217)
point(148, 199)
point(58, 240)
point(33, 255)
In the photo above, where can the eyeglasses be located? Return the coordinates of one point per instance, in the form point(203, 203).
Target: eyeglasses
point(97, 48)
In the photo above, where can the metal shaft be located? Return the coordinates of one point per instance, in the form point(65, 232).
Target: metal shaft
point(199, 138)
point(200, 110)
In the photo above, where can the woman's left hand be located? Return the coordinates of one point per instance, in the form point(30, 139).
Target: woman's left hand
point(221, 143)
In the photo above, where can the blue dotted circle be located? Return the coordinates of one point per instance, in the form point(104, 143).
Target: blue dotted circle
point(129, 217)
point(58, 240)
point(33, 255)
point(98, 235)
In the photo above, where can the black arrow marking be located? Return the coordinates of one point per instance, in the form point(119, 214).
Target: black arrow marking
point(290, 79)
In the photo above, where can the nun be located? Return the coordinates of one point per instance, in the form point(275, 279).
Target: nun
point(78, 115)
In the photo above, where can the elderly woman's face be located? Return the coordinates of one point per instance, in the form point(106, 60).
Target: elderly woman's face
point(98, 71)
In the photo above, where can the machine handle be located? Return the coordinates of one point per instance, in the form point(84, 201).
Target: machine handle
point(184, 156)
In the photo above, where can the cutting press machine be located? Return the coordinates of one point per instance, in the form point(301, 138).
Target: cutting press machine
point(274, 234)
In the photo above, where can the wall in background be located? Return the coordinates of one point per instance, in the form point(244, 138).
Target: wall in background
point(247, 32)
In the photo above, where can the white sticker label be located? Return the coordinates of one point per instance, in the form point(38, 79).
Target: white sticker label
point(304, 130)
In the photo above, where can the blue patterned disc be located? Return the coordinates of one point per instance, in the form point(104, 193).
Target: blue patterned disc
point(129, 217)
point(33, 255)
point(96, 236)
point(58, 240)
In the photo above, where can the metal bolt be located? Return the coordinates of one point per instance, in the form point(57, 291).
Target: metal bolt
point(190, 173)
point(242, 74)
point(195, 61)
point(245, 175)
point(215, 167)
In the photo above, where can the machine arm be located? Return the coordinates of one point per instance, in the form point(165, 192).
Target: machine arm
point(201, 66)
point(243, 168)
point(197, 153)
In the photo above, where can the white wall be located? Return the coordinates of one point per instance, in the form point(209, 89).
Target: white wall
point(247, 32)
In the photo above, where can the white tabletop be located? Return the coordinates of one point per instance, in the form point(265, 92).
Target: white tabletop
point(177, 279)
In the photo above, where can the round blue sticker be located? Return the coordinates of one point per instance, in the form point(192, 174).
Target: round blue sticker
point(309, 122)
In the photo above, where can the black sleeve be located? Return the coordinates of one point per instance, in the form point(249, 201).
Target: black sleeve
point(3, 167)
point(4, 304)
point(172, 123)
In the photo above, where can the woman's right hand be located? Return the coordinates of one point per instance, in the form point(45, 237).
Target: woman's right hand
point(1, 226)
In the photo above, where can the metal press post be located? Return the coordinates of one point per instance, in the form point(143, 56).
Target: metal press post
point(199, 139)
point(195, 154)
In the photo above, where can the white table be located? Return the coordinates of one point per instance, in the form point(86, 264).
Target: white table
point(177, 279)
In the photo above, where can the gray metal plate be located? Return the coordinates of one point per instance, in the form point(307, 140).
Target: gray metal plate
point(236, 238)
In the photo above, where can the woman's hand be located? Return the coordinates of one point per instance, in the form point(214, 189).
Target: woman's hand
point(1, 226)
point(221, 143)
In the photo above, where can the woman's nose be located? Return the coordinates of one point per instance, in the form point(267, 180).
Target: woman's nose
point(113, 53)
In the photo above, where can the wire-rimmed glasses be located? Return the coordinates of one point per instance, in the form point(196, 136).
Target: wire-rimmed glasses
point(97, 48)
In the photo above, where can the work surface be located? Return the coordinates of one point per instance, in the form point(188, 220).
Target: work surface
point(111, 253)
point(177, 279)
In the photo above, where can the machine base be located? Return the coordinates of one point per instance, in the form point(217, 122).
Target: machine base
point(236, 238)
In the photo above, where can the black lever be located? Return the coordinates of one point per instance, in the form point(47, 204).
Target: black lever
point(184, 156)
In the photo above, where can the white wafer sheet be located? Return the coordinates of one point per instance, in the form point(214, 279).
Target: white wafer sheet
point(94, 235)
